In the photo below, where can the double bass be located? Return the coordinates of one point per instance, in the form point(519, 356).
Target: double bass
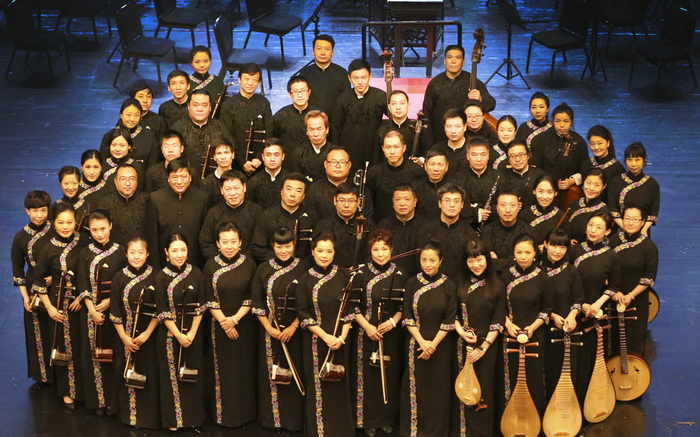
point(477, 53)
point(388, 68)
point(520, 417)
point(629, 371)
point(563, 414)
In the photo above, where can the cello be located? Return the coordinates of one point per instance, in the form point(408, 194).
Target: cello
point(600, 395)
point(629, 371)
point(563, 414)
point(520, 417)
point(477, 53)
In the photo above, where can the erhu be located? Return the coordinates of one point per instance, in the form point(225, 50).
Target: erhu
point(520, 417)
point(220, 99)
point(329, 371)
point(360, 179)
point(301, 234)
point(207, 162)
point(250, 138)
point(101, 352)
point(132, 378)
point(59, 355)
point(184, 373)
point(281, 375)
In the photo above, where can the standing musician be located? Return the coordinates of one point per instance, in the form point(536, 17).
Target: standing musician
point(264, 186)
point(27, 247)
point(176, 108)
point(499, 235)
point(600, 141)
point(171, 147)
point(69, 179)
point(289, 124)
point(231, 363)
point(120, 152)
point(454, 124)
point(480, 181)
point(378, 314)
point(398, 121)
point(429, 310)
point(201, 79)
point(529, 304)
point(505, 134)
point(313, 153)
point(59, 262)
point(180, 302)
point(480, 318)
point(436, 175)
point(93, 186)
point(539, 107)
point(520, 174)
point(222, 151)
point(544, 215)
point(319, 295)
point(450, 90)
point(143, 92)
point(592, 201)
point(145, 141)
point(98, 263)
point(132, 290)
point(475, 122)
point(280, 404)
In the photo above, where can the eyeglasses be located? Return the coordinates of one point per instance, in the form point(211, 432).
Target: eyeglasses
point(131, 179)
point(474, 117)
point(520, 155)
point(340, 163)
point(299, 92)
point(631, 219)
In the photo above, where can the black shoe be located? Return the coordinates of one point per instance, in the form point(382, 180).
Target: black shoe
point(69, 405)
point(371, 432)
point(387, 429)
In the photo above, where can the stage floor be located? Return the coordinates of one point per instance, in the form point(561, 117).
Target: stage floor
point(47, 124)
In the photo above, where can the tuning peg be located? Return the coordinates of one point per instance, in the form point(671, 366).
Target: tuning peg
point(532, 355)
point(513, 350)
point(576, 343)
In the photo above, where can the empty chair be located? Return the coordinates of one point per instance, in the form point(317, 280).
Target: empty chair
point(231, 58)
point(625, 13)
point(134, 45)
point(172, 17)
point(263, 18)
point(82, 9)
point(571, 33)
point(675, 43)
point(28, 37)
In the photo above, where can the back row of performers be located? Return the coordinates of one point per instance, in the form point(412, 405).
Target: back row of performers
point(159, 347)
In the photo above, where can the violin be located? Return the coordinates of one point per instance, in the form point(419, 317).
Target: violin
point(520, 417)
point(563, 414)
point(629, 371)
point(477, 54)
point(600, 396)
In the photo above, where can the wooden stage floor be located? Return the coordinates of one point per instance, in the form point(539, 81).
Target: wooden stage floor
point(46, 124)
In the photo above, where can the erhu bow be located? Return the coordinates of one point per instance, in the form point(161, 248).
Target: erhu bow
point(281, 375)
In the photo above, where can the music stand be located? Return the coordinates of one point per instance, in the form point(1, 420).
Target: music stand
point(512, 17)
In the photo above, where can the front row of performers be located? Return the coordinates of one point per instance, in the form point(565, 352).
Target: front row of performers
point(164, 348)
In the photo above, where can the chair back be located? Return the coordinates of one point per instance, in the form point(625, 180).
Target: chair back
point(679, 28)
point(163, 6)
point(128, 24)
point(259, 8)
point(575, 17)
point(224, 37)
point(639, 7)
point(20, 19)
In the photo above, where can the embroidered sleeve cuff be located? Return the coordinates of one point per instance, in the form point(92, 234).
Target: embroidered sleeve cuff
point(408, 322)
point(85, 295)
point(213, 305)
point(652, 218)
point(19, 281)
point(646, 281)
point(446, 327)
point(615, 214)
point(609, 292)
point(39, 289)
point(307, 322)
point(166, 315)
point(496, 327)
point(576, 306)
point(116, 320)
point(544, 316)
point(201, 310)
point(259, 311)
point(247, 303)
point(349, 318)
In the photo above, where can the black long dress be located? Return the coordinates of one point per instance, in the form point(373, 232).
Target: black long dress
point(430, 305)
point(181, 402)
point(600, 272)
point(97, 265)
point(564, 283)
point(146, 148)
point(527, 299)
point(231, 363)
point(639, 260)
point(530, 129)
point(641, 191)
point(557, 156)
point(59, 259)
point(482, 307)
point(376, 283)
point(27, 246)
point(541, 220)
point(328, 411)
point(580, 211)
point(93, 192)
point(279, 406)
point(136, 407)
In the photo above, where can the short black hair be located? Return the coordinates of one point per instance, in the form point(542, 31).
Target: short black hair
point(178, 164)
point(139, 86)
point(324, 37)
point(178, 73)
point(359, 64)
point(249, 68)
point(199, 49)
point(295, 79)
point(37, 199)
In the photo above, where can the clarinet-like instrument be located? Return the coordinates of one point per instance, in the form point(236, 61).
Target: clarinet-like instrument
point(487, 207)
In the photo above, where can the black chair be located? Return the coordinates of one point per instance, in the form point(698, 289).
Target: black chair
point(43, 6)
point(134, 45)
point(263, 18)
point(625, 13)
point(232, 58)
point(172, 17)
point(674, 45)
point(29, 38)
point(571, 33)
point(82, 9)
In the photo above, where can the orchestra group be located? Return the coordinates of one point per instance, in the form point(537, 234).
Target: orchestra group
point(169, 282)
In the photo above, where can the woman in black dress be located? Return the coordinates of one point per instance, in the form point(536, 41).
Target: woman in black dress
point(600, 273)
point(134, 283)
point(529, 304)
point(600, 141)
point(27, 246)
point(59, 261)
point(544, 215)
point(560, 151)
point(231, 363)
point(505, 131)
point(280, 406)
point(539, 107)
point(377, 315)
point(69, 179)
point(480, 319)
point(592, 202)
point(639, 259)
point(635, 188)
point(429, 311)
point(92, 185)
point(118, 153)
point(319, 294)
point(98, 263)
point(145, 144)
point(564, 283)
point(180, 295)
